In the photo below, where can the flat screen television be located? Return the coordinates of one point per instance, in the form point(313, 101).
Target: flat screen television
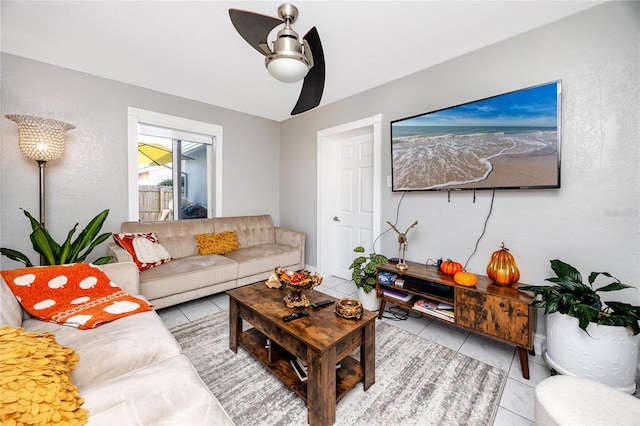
point(508, 141)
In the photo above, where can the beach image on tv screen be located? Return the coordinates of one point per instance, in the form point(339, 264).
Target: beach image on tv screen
point(507, 141)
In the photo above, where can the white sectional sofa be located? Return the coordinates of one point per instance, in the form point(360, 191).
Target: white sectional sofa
point(132, 370)
point(188, 275)
point(571, 400)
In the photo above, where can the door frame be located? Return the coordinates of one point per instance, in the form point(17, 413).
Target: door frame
point(328, 140)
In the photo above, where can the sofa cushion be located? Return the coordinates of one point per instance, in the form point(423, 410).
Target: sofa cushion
point(144, 248)
point(169, 392)
point(125, 274)
point(114, 348)
point(177, 236)
point(251, 230)
point(187, 273)
point(220, 243)
point(10, 309)
point(78, 295)
point(36, 385)
point(264, 257)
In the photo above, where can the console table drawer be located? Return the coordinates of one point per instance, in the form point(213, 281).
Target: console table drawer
point(497, 316)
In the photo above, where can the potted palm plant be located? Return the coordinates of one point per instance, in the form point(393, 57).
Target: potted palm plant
point(587, 336)
point(53, 253)
point(364, 276)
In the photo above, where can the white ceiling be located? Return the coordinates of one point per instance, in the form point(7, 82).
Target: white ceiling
point(190, 48)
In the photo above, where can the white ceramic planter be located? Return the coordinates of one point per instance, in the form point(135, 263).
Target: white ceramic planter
point(607, 354)
point(368, 300)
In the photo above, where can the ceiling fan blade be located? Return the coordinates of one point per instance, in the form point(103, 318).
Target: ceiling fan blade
point(313, 84)
point(253, 27)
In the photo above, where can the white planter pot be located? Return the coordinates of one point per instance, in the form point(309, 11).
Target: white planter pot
point(608, 354)
point(368, 300)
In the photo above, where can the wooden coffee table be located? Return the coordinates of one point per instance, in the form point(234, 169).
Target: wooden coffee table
point(322, 339)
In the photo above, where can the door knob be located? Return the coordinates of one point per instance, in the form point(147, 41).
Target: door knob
point(336, 219)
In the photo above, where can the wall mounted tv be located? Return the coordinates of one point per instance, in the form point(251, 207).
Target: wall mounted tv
point(508, 141)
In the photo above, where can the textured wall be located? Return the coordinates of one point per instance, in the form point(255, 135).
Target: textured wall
point(92, 173)
point(592, 222)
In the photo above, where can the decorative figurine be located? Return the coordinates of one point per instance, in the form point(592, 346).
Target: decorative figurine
point(402, 246)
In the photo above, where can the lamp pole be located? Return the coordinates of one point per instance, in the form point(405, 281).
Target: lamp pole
point(41, 165)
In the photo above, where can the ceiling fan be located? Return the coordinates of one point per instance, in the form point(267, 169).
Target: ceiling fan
point(289, 60)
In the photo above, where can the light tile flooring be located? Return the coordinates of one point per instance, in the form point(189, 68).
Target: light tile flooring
point(516, 405)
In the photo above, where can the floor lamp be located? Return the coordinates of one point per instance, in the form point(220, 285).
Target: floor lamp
point(42, 140)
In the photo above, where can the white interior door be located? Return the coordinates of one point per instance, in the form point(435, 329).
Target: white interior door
point(353, 200)
point(349, 157)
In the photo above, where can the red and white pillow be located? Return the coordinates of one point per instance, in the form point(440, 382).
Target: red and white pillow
point(79, 295)
point(144, 247)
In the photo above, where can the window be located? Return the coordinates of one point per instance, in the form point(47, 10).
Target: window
point(174, 167)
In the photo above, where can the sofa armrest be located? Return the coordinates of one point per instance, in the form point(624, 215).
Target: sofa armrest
point(292, 238)
point(118, 254)
point(125, 275)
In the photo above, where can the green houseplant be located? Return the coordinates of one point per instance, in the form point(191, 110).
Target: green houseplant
point(569, 295)
point(586, 336)
point(364, 269)
point(69, 251)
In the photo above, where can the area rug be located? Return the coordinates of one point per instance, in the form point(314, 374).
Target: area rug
point(417, 382)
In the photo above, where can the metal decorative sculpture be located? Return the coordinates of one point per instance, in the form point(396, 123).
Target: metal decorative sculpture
point(402, 245)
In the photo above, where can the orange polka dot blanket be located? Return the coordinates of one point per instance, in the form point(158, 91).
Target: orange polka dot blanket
point(79, 295)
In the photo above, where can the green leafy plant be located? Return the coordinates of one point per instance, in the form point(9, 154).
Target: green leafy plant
point(569, 295)
point(75, 251)
point(364, 269)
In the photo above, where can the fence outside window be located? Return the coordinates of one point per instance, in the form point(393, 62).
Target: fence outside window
point(154, 202)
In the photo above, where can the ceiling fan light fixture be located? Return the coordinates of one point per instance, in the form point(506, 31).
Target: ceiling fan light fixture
point(287, 68)
point(286, 62)
point(290, 58)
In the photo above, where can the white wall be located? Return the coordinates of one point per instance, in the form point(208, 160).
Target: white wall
point(592, 222)
point(92, 174)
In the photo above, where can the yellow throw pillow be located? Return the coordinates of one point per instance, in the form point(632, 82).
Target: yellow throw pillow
point(221, 243)
point(36, 386)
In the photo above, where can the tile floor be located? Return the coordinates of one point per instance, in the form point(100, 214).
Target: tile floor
point(516, 405)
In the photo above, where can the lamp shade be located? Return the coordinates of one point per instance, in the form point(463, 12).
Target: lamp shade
point(287, 70)
point(41, 139)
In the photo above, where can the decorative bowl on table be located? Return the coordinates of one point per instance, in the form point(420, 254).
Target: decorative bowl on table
point(349, 308)
point(296, 283)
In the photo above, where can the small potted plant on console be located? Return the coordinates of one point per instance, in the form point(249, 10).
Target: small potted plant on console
point(364, 276)
point(586, 336)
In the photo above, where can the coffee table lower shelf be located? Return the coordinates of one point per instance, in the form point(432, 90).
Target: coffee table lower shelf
point(347, 376)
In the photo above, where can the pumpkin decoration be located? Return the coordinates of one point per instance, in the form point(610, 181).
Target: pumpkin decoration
point(450, 267)
point(467, 279)
point(502, 268)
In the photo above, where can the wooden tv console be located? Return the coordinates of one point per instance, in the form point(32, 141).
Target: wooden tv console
point(500, 312)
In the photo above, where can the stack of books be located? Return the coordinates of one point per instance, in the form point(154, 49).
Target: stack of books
point(302, 369)
point(437, 309)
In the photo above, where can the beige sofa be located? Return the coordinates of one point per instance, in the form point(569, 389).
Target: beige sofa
point(189, 276)
point(132, 370)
